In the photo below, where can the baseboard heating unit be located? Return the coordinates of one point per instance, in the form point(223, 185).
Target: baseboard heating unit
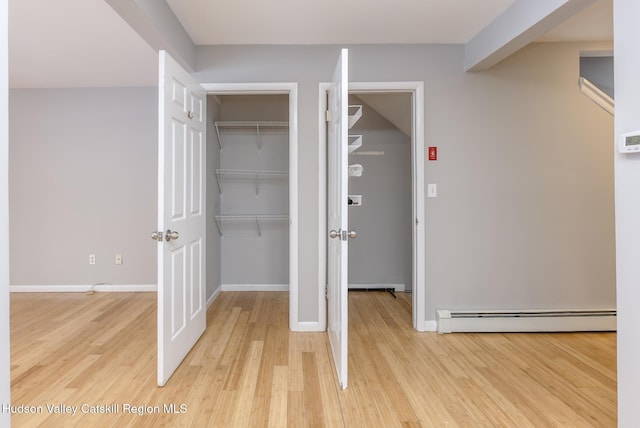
point(450, 321)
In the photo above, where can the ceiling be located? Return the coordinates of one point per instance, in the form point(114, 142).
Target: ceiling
point(335, 21)
point(85, 43)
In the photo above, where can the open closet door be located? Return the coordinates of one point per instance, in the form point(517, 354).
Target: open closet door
point(337, 217)
point(181, 215)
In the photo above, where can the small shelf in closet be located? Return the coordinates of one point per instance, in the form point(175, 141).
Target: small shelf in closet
point(354, 200)
point(254, 125)
point(355, 142)
point(258, 176)
point(259, 219)
point(355, 113)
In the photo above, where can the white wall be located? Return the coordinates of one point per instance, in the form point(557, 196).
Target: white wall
point(524, 217)
point(627, 205)
point(83, 180)
point(5, 376)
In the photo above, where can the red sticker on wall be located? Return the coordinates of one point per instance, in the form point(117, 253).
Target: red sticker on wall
point(433, 153)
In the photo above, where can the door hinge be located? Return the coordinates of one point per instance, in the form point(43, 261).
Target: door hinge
point(327, 115)
point(326, 292)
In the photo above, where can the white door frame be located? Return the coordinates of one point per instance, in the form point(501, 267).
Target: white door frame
point(290, 89)
point(417, 190)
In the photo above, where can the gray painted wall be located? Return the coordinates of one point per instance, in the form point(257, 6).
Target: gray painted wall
point(381, 254)
point(524, 217)
point(83, 179)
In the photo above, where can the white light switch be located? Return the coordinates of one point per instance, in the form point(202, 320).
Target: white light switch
point(432, 190)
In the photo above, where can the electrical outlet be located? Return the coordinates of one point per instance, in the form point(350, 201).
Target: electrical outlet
point(118, 259)
point(92, 259)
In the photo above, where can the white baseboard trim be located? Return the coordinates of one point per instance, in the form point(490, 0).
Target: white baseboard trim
point(532, 320)
point(430, 325)
point(213, 297)
point(310, 326)
point(395, 287)
point(255, 287)
point(82, 288)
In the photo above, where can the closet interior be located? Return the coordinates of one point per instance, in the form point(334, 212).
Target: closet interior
point(380, 194)
point(248, 183)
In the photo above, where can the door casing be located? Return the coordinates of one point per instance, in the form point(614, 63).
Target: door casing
point(290, 89)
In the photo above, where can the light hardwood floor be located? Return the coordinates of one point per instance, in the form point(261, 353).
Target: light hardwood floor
point(249, 370)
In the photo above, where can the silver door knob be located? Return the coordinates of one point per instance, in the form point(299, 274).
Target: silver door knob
point(171, 236)
point(156, 236)
point(353, 234)
point(334, 234)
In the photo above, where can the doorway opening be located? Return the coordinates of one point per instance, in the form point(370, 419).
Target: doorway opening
point(380, 194)
point(390, 253)
point(252, 228)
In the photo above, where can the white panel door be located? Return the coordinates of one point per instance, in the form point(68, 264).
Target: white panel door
point(337, 220)
point(181, 215)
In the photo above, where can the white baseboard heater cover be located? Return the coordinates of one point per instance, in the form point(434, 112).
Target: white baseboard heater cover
point(450, 321)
